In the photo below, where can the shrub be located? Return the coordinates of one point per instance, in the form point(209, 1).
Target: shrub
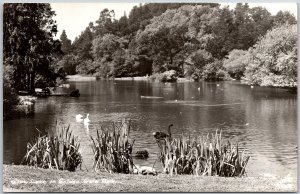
point(214, 72)
point(167, 76)
point(236, 63)
point(209, 155)
point(86, 67)
point(112, 150)
point(58, 150)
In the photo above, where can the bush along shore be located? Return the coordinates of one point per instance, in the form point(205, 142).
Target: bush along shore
point(112, 149)
point(53, 160)
point(59, 150)
point(207, 155)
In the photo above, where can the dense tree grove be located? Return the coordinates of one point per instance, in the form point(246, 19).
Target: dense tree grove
point(29, 49)
point(201, 41)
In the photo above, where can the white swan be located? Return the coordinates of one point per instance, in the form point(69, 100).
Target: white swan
point(86, 121)
point(79, 118)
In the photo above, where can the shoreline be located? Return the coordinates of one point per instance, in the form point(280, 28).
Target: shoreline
point(18, 178)
point(77, 77)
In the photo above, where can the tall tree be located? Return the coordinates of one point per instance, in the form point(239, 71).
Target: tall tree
point(83, 44)
point(28, 43)
point(284, 17)
point(237, 29)
point(173, 34)
point(65, 42)
point(106, 23)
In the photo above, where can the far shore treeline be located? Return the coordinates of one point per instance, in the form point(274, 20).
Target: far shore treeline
point(198, 41)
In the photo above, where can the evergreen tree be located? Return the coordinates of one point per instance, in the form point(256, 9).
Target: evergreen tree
point(66, 46)
point(83, 44)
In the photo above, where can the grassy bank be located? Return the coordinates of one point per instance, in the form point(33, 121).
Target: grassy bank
point(62, 181)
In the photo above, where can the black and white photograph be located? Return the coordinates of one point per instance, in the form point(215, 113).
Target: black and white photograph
point(150, 97)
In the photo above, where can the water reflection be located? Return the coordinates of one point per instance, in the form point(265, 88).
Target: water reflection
point(86, 125)
point(263, 120)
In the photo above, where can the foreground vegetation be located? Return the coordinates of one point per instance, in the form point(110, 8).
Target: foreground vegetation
point(135, 183)
point(204, 155)
point(112, 149)
point(58, 149)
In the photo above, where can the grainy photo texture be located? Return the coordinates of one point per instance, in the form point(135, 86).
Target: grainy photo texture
point(150, 97)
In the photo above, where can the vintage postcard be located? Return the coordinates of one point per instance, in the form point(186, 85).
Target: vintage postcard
point(150, 97)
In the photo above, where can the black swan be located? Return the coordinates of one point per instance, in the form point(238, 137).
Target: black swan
point(162, 135)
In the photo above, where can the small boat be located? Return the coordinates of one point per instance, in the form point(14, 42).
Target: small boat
point(23, 93)
point(152, 97)
point(42, 92)
point(64, 86)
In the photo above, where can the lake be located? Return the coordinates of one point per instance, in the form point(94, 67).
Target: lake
point(263, 120)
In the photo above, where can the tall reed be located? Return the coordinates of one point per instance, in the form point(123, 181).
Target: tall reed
point(59, 149)
point(112, 149)
point(204, 155)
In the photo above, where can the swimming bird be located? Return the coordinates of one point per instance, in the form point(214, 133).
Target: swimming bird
point(79, 118)
point(252, 87)
point(218, 85)
point(86, 120)
point(160, 135)
point(199, 89)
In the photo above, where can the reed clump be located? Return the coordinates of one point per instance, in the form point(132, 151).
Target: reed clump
point(58, 150)
point(205, 155)
point(112, 149)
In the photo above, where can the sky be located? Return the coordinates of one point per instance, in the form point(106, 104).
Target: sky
point(75, 17)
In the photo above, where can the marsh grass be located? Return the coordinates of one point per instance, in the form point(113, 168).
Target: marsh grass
point(205, 155)
point(112, 149)
point(58, 149)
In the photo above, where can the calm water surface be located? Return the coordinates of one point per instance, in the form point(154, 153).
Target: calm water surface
point(263, 120)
